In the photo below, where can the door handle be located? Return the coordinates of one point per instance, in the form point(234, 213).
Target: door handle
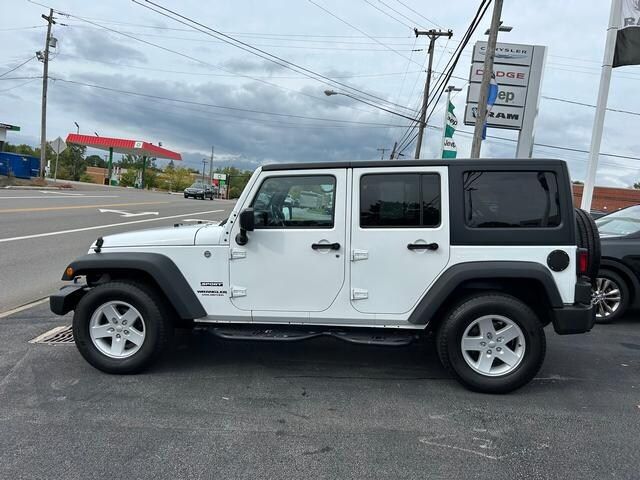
point(422, 246)
point(322, 246)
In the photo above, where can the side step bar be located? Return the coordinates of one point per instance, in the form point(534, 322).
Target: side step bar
point(285, 334)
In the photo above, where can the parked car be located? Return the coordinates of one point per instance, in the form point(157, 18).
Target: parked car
point(402, 249)
point(617, 286)
point(199, 190)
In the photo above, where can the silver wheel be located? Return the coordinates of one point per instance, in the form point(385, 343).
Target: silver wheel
point(493, 345)
point(606, 297)
point(117, 329)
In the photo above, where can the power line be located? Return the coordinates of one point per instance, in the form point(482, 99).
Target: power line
point(564, 100)
point(388, 14)
point(197, 60)
point(404, 16)
point(19, 85)
point(254, 50)
point(229, 75)
point(211, 105)
point(16, 68)
point(419, 14)
point(21, 28)
point(209, 115)
point(359, 30)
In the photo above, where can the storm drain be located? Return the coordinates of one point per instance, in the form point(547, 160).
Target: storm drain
point(56, 336)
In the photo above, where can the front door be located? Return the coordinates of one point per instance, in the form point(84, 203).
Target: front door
point(294, 260)
point(400, 236)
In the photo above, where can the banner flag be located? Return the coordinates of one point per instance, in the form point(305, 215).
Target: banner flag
point(627, 50)
point(449, 148)
point(491, 100)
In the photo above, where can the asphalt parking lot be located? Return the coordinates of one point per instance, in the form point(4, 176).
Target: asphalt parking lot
point(321, 409)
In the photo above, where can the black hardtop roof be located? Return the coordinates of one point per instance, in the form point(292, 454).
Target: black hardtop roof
point(508, 163)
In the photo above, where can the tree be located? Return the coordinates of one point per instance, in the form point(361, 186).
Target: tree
point(71, 164)
point(96, 161)
point(636, 185)
point(129, 178)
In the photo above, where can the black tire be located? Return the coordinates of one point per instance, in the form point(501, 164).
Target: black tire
point(186, 196)
point(589, 238)
point(158, 328)
point(451, 331)
point(625, 294)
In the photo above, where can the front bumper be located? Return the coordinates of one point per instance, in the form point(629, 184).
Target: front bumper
point(579, 317)
point(67, 298)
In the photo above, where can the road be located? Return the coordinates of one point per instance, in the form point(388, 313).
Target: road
point(319, 409)
point(41, 231)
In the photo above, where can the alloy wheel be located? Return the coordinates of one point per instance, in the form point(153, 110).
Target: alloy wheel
point(493, 345)
point(117, 329)
point(607, 297)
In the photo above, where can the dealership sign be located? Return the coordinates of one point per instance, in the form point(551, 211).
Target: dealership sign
point(518, 71)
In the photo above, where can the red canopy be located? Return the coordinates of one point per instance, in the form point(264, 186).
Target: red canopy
point(122, 145)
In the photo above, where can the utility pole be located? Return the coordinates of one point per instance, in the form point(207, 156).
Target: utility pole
point(433, 35)
point(211, 168)
point(486, 78)
point(382, 150)
point(204, 166)
point(393, 151)
point(45, 81)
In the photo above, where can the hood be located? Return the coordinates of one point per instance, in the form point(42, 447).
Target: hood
point(180, 235)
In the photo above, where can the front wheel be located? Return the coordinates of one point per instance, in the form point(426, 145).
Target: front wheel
point(119, 328)
point(492, 343)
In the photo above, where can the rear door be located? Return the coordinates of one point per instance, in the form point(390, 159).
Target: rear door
point(400, 236)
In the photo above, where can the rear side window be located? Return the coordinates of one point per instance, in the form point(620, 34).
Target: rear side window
point(517, 199)
point(400, 200)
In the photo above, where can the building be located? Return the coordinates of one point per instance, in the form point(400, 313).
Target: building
point(99, 174)
point(608, 199)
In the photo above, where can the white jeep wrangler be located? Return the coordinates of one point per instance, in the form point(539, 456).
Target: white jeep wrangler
point(483, 253)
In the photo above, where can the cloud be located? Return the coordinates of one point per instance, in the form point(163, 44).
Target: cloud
point(253, 138)
point(100, 46)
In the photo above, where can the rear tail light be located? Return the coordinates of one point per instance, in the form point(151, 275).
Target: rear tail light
point(583, 261)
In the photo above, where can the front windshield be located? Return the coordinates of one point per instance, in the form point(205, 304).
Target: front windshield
point(620, 223)
point(196, 185)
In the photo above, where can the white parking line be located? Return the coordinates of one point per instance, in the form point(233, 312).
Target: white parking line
point(98, 227)
point(63, 197)
point(69, 194)
point(24, 307)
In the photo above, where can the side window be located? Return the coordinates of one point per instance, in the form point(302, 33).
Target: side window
point(516, 199)
point(295, 202)
point(400, 200)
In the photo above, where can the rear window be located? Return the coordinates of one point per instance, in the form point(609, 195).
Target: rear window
point(517, 199)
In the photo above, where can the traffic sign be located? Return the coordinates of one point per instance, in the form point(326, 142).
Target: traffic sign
point(58, 145)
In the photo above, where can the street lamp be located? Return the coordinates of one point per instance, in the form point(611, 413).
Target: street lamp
point(77, 128)
point(330, 93)
point(204, 164)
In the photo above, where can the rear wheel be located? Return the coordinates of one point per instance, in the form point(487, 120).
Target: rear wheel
point(119, 328)
point(492, 343)
point(610, 296)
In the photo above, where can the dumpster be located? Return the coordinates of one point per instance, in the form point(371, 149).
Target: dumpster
point(20, 166)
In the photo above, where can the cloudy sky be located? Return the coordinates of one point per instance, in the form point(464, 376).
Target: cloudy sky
point(123, 70)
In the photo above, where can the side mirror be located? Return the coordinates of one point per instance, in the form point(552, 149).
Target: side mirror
point(247, 224)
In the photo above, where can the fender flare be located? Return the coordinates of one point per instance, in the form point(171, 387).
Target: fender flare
point(442, 288)
point(161, 268)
